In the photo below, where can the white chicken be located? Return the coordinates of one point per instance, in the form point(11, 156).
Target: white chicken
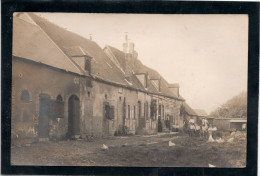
point(104, 147)
point(171, 143)
point(211, 165)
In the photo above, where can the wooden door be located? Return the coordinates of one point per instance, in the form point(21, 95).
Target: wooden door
point(73, 116)
point(44, 114)
point(106, 114)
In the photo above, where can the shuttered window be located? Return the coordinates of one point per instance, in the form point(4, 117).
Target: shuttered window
point(109, 112)
point(112, 112)
point(57, 109)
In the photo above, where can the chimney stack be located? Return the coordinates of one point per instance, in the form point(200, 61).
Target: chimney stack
point(128, 48)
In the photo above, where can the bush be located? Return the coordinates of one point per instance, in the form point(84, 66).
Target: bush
point(122, 131)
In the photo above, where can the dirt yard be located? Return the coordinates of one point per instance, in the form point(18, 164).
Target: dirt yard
point(136, 151)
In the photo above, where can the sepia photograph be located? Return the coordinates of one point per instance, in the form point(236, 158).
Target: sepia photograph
point(129, 90)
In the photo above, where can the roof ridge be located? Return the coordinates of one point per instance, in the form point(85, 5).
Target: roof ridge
point(74, 33)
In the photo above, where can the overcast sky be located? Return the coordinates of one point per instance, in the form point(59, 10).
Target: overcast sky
point(206, 54)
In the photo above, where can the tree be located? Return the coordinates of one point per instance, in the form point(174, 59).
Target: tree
point(236, 107)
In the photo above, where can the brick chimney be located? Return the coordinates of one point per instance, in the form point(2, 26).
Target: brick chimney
point(174, 88)
point(130, 54)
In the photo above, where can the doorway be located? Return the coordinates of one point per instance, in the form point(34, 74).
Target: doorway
point(106, 114)
point(44, 114)
point(73, 116)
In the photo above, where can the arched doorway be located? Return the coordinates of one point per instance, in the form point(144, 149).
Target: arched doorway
point(44, 113)
point(73, 116)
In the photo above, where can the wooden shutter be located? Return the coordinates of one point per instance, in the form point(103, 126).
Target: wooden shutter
point(112, 112)
point(57, 109)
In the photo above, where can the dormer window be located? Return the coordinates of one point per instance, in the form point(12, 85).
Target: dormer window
point(88, 64)
point(142, 77)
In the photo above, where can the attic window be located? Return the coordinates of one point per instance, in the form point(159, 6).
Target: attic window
point(25, 96)
point(88, 65)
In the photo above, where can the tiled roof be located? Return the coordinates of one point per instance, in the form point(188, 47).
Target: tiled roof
point(31, 43)
point(63, 44)
point(102, 67)
point(188, 109)
point(75, 51)
point(140, 68)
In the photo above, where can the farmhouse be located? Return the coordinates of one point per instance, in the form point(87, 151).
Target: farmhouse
point(66, 86)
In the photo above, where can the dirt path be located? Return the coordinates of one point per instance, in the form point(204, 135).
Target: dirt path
point(138, 151)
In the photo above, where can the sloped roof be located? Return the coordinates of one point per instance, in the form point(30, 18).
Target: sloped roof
point(101, 66)
point(188, 109)
point(57, 45)
point(201, 112)
point(75, 51)
point(140, 68)
point(120, 56)
point(30, 42)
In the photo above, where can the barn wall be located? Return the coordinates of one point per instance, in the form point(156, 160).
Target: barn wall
point(37, 79)
point(236, 125)
point(222, 124)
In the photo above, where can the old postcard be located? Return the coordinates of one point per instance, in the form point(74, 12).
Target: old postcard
point(138, 90)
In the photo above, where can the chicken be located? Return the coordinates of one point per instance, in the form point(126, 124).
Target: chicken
point(104, 147)
point(171, 143)
point(211, 165)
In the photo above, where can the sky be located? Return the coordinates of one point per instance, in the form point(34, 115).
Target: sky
point(206, 54)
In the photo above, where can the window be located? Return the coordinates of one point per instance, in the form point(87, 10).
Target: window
point(146, 110)
point(25, 96)
point(139, 109)
point(163, 111)
point(160, 111)
point(107, 113)
point(88, 65)
point(112, 112)
point(128, 111)
point(153, 109)
point(88, 82)
point(134, 112)
point(57, 107)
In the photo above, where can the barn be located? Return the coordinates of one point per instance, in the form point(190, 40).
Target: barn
point(66, 86)
point(229, 124)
